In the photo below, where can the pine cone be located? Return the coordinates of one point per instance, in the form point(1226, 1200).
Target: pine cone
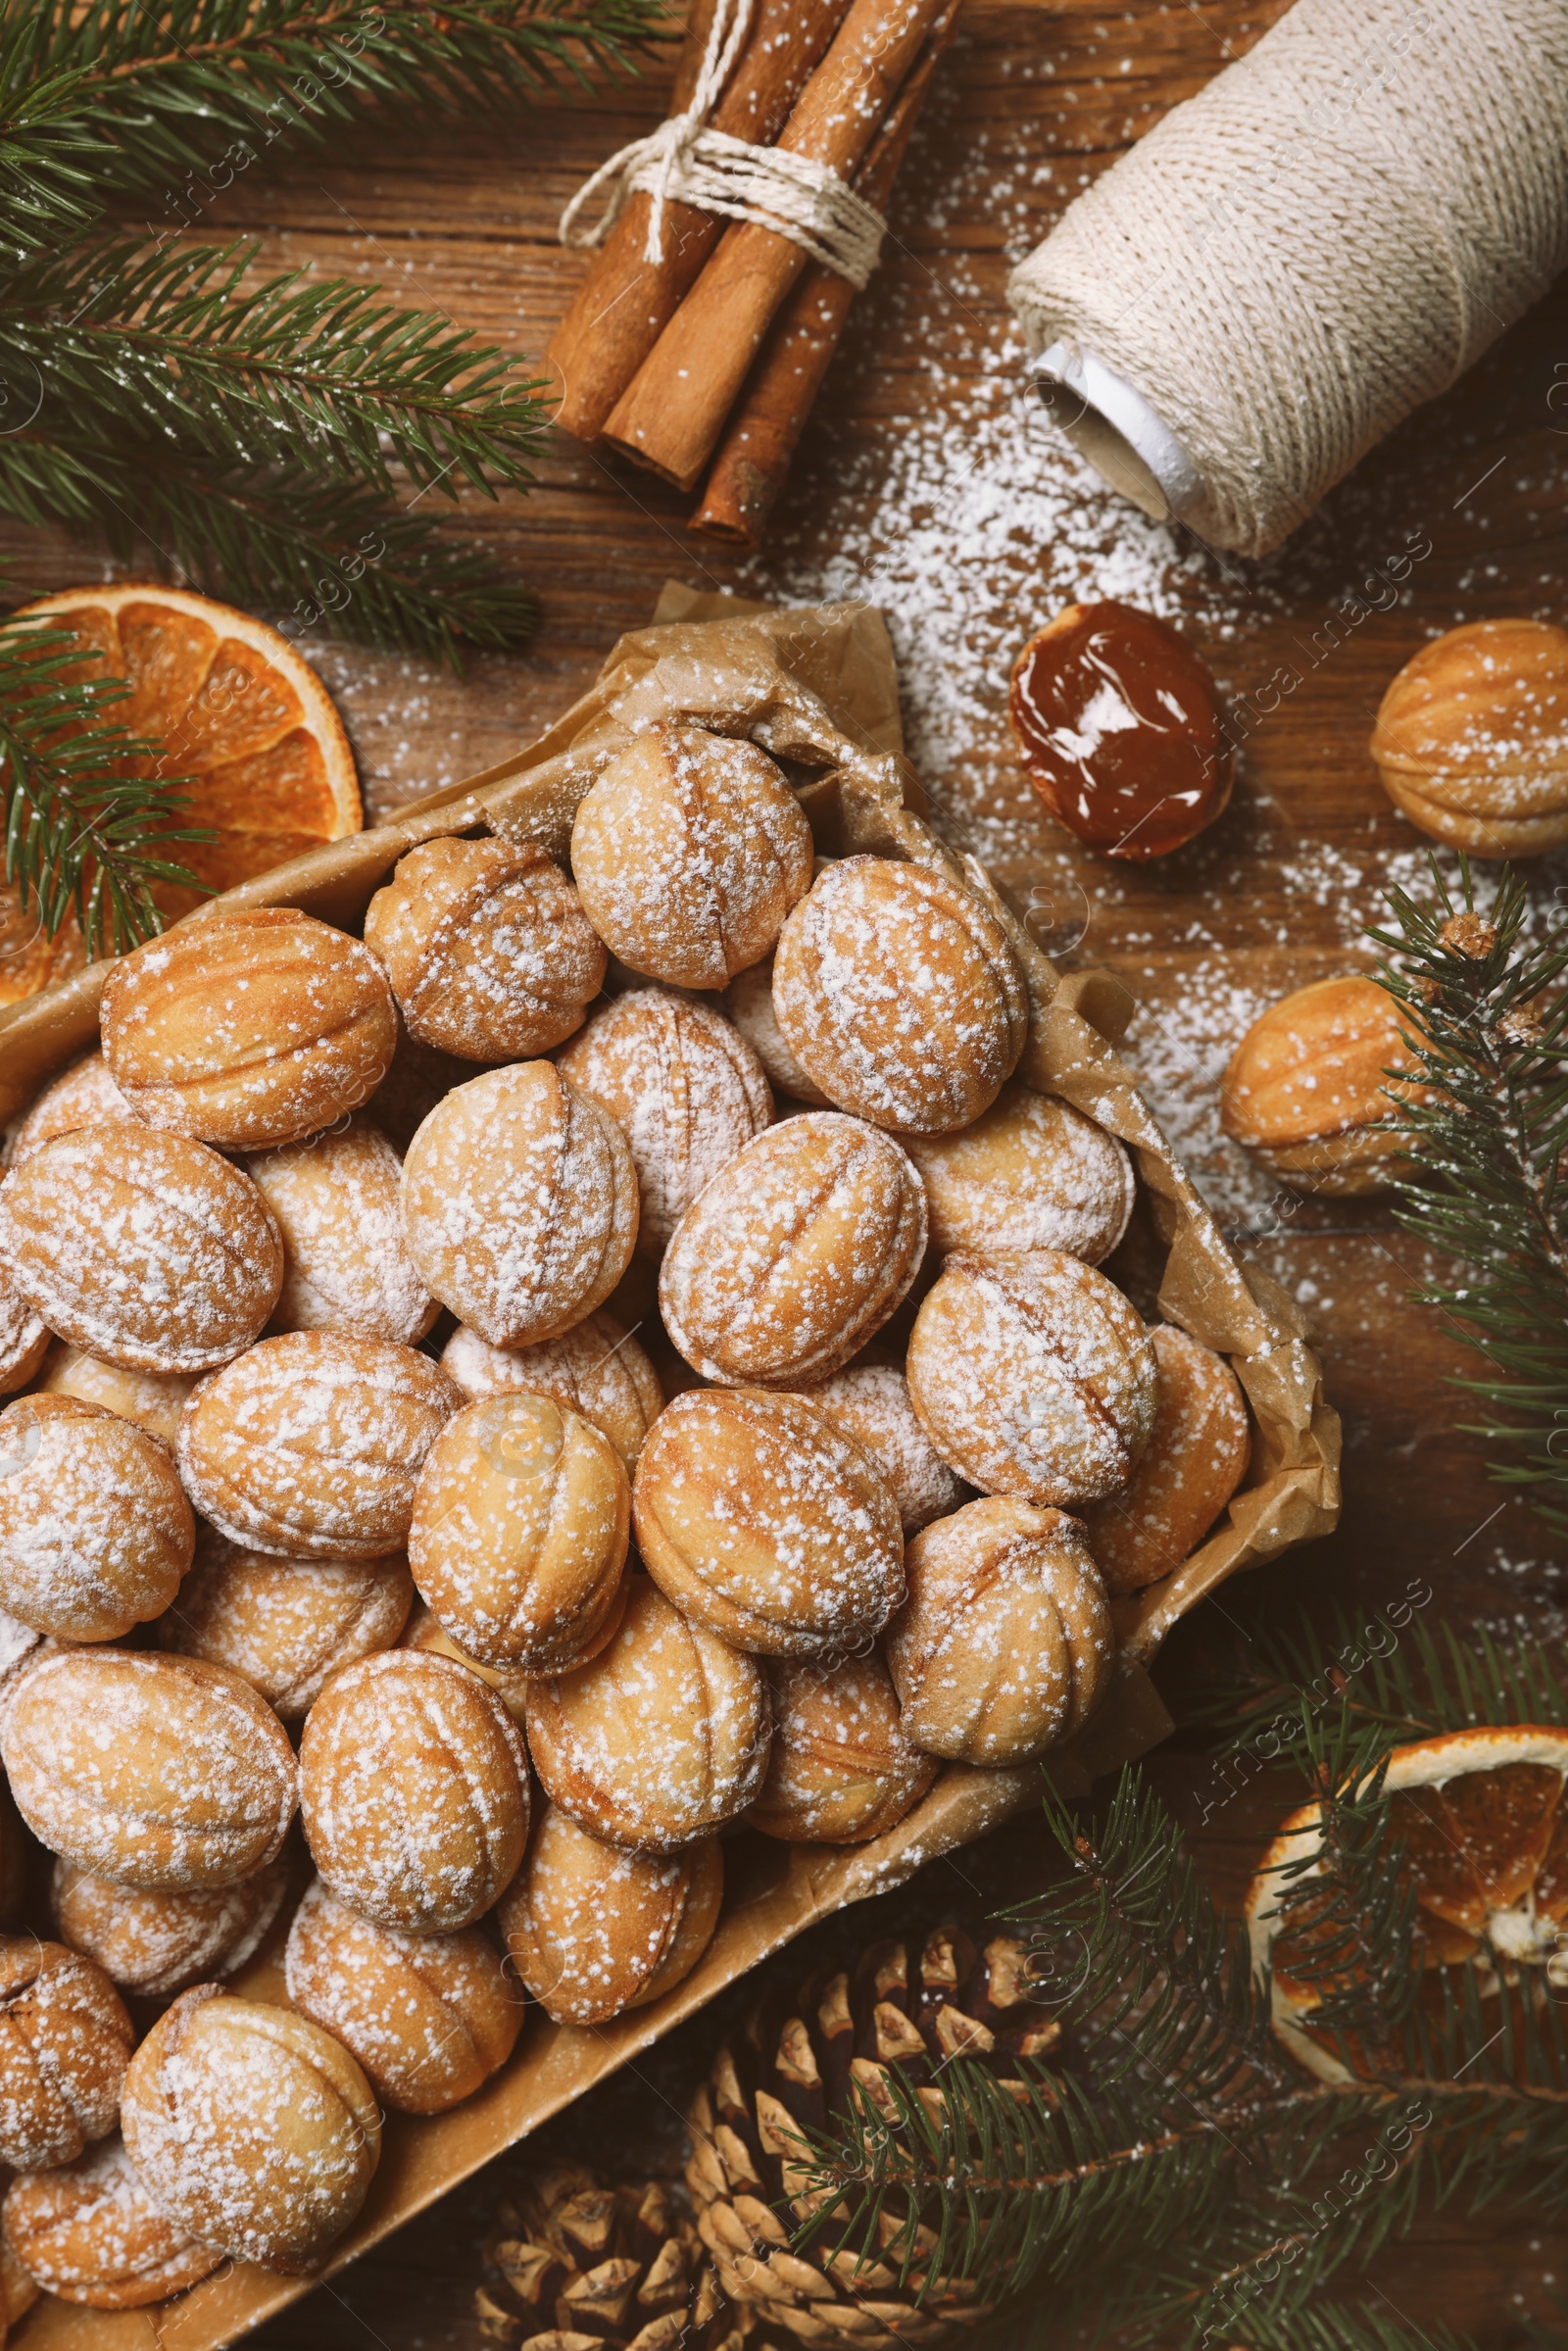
point(953, 2002)
point(579, 2267)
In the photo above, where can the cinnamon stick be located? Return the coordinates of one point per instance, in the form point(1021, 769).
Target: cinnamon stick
point(626, 302)
point(770, 415)
point(673, 411)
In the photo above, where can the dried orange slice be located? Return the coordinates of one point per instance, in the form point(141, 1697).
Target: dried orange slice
point(240, 714)
point(1484, 1823)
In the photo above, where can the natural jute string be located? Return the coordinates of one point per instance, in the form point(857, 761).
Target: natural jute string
point(685, 162)
point(1326, 236)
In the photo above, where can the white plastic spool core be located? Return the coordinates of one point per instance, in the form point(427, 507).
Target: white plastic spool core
point(1111, 424)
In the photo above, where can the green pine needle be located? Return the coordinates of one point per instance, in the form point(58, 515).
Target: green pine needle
point(1489, 1157)
point(88, 810)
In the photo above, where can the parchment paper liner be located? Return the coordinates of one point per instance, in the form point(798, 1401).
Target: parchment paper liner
point(818, 688)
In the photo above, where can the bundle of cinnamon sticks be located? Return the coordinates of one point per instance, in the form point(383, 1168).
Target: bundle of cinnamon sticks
point(706, 361)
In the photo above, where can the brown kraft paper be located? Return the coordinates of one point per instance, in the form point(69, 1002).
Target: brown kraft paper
point(817, 688)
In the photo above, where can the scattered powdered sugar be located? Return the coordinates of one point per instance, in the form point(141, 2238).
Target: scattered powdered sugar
point(796, 1254)
point(771, 1527)
point(970, 532)
point(684, 1087)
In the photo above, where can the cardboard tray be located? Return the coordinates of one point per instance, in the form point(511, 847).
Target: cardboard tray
point(817, 688)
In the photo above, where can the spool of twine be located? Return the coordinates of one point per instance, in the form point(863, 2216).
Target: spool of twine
point(1289, 263)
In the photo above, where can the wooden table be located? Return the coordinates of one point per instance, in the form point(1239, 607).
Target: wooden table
point(929, 484)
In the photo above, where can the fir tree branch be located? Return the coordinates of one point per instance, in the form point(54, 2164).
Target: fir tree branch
point(88, 810)
point(320, 550)
point(138, 101)
point(1488, 1151)
point(316, 374)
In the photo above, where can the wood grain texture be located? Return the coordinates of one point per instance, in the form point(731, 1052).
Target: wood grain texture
point(924, 425)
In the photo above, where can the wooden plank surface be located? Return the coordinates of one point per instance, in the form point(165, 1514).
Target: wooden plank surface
point(930, 484)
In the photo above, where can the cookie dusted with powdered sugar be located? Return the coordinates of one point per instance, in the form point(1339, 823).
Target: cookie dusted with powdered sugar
point(1031, 1172)
point(841, 1767)
point(144, 1249)
point(796, 1254)
point(65, 2040)
point(346, 1266)
point(95, 1530)
point(520, 1527)
point(414, 1787)
point(758, 1519)
point(899, 995)
point(1193, 1463)
point(592, 1930)
point(683, 1086)
point(688, 853)
point(160, 1772)
point(488, 948)
point(597, 1369)
point(90, 2233)
point(310, 1446)
point(84, 1094)
point(248, 1028)
point(429, 2017)
point(287, 1625)
point(749, 1002)
point(1005, 1645)
point(1032, 1375)
point(153, 1400)
point(658, 1742)
point(251, 2128)
point(519, 1204)
point(155, 1944)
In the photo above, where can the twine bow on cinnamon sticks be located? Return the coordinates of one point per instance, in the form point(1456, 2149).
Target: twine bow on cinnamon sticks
point(790, 120)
